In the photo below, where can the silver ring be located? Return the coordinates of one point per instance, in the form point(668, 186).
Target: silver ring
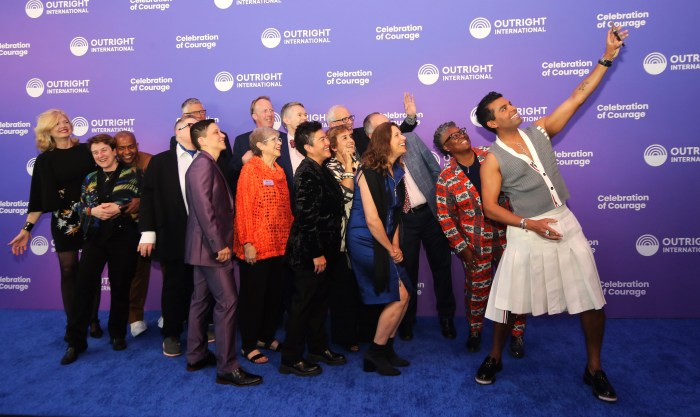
point(546, 232)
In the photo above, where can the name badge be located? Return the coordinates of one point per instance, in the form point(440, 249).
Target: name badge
point(268, 183)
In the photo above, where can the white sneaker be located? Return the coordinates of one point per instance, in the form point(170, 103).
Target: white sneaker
point(138, 327)
point(160, 322)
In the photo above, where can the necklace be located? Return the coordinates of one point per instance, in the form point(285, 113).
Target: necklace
point(108, 177)
point(521, 147)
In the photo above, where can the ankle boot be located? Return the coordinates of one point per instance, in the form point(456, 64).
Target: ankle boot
point(394, 359)
point(376, 360)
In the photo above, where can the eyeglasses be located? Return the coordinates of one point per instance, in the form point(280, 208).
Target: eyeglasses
point(460, 133)
point(344, 120)
point(192, 113)
point(184, 126)
point(275, 138)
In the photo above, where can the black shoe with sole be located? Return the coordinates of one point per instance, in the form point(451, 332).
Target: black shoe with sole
point(393, 357)
point(602, 388)
point(239, 378)
point(71, 354)
point(300, 368)
point(118, 343)
point(487, 371)
point(517, 347)
point(447, 325)
point(209, 360)
point(474, 342)
point(327, 356)
point(376, 360)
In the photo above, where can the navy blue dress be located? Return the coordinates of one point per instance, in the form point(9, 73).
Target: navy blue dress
point(360, 245)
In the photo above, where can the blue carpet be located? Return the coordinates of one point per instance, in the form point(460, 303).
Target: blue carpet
point(651, 363)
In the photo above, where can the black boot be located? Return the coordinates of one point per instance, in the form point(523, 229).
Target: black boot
point(394, 359)
point(376, 360)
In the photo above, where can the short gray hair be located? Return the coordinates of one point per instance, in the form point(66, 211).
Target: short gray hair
point(189, 101)
point(258, 135)
point(438, 135)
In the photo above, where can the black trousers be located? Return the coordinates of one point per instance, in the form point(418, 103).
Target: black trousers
point(307, 313)
point(260, 300)
point(176, 296)
point(418, 227)
point(344, 303)
point(119, 254)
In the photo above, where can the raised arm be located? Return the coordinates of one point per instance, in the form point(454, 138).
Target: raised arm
point(558, 119)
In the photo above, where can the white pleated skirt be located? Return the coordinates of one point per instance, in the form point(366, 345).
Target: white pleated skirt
point(538, 275)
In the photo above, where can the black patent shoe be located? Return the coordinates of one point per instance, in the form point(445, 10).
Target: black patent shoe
point(239, 378)
point(327, 356)
point(602, 388)
point(474, 342)
point(517, 347)
point(300, 368)
point(118, 343)
point(447, 325)
point(71, 355)
point(487, 371)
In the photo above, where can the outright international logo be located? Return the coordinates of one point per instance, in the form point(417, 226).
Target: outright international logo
point(634, 111)
point(656, 155)
point(429, 74)
point(357, 77)
point(635, 19)
point(206, 41)
point(480, 27)
point(224, 80)
point(35, 8)
point(225, 4)
point(272, 37)
point(39, 245)
point(79, 46)
point(318, 117)
point(159, 5)
point(398, 33)
point(14, 128)
point(647, 245)
point(655, 63)
point(278, 122)
point(532, 113)
point(30, 166)
point(472, 117)
point(18, 49)
point(35, 87)
point(80, 126)
point(160, 84)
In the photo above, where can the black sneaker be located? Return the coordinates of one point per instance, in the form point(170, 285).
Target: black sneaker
point(602, 388)
point(487, 371)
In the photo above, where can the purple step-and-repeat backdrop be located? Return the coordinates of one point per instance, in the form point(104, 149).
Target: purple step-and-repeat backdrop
point(631, 155)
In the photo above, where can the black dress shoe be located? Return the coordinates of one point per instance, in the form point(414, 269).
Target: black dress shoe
point(118, 343)
point(517, 347)
point(602, 388)
point(239, 378)
point(327, 356)
point(486, 374)
point(474, 342)
point(209, 360)
point(70, 356)
point(300, 368)
point(448, 328)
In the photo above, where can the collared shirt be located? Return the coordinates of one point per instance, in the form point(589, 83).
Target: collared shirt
point(294, 154)
point(414, 193)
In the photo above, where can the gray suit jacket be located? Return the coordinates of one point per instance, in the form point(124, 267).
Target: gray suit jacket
point(210, 219)
point(423, 168)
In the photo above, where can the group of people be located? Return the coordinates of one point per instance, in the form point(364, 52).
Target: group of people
point(321, 224)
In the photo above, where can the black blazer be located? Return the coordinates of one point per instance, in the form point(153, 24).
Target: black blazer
point(319, 211)
point(241, 145)
point(163, 208)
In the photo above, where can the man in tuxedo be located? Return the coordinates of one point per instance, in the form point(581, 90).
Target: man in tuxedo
point(340, 115)
point(263, 115)
point(162, 222)
point(420, 224)
point(192, 107)
point(208, 242)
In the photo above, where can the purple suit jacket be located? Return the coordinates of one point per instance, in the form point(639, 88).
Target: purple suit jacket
point(210, 219)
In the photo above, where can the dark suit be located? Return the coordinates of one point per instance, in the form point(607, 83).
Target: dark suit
point(163, 211)
point(421, 225)
point(362, 140)
point(209, 230)
point(315, 232)
point(241, 145)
